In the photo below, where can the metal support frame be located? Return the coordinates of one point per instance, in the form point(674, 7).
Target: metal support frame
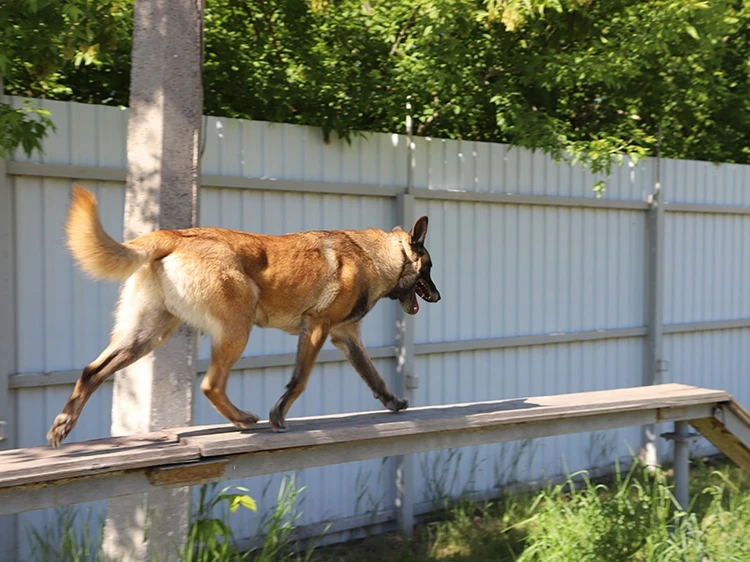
point(69, 377)
point(7, 298)
point(96, 173)
point(654, 365)
point(407, 380)
point(8, 525)
point(681, 438)
point(407, 383)
point(7, 302)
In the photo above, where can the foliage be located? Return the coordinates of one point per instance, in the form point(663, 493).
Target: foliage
point(584, 80)
point(210, 536)
point(631, 517)
point(637, 519)
point(48, 44)
point(64, 540)
point(278, 528)
point(19, 128)
point(50, 49)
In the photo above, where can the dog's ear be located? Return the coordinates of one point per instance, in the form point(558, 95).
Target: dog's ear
point(397, 229)
point(419, 231)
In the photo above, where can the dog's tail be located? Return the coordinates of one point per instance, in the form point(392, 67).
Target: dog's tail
point(96, 252)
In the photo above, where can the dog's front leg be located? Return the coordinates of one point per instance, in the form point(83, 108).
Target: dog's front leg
point(311, 339)
point(347, 340)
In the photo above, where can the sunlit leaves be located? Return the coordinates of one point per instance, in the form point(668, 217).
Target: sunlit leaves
point(584, 80)
point(39, 38)
point(22, 128)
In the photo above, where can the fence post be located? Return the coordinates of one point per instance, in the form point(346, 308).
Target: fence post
point(681, 439)
point(7, 301)
point(407, 381)
point(654, 365)
point(7, 338)
point(163, 149)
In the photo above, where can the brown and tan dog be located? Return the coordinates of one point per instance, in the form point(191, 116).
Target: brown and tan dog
point(223, 282)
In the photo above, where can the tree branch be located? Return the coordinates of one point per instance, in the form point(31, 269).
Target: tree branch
point(404, 29)
point(242, 6)
point(274, 42)
point(271, 32)
point(435, 114)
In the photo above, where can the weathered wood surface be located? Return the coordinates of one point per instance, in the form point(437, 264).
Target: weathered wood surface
point(729, 431)
point(44, 464)
point(305, 432)
point(119, 466)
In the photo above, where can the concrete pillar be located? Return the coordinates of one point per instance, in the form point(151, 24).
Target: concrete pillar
point(166, 103)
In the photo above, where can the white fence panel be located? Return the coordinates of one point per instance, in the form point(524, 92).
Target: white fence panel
point(504, 270)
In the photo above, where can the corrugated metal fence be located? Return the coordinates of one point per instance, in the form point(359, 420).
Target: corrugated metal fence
point(544, 291)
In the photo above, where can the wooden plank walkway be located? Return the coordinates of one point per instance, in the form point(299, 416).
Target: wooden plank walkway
point(41, 477)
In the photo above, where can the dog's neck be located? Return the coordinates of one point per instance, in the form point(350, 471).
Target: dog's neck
point(402, 257)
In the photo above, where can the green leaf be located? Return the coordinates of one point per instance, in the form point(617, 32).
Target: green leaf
point(599, 188)
point(245, 501)
point(542, 74)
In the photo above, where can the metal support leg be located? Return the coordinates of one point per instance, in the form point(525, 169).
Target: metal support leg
point(681, 438)
point(681, 469)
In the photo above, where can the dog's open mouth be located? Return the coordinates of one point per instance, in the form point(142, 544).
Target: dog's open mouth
point(421, 290)
point(409, 301)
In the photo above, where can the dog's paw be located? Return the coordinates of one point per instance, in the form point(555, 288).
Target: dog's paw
point(395, 404)
point(276, 421)
point(247, 421)
point(60, 429)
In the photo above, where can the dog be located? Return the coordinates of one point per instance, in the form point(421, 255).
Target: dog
point(223, 282)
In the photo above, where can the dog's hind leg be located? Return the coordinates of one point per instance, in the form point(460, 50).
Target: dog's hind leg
point(347, 340)
point(311, 339)
point(142, 325)
point(224, 354)
point(235, 318)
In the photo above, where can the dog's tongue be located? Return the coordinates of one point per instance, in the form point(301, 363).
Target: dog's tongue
point(414, 303)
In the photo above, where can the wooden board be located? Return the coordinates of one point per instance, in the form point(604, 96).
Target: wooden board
point(41, 477)
point(305, 432)
point(713, 430)
point(44, 464)
point(729, 431)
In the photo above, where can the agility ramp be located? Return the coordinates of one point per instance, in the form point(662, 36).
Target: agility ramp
point(41, 477)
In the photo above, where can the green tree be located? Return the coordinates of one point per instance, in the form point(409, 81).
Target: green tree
point(579, 79)
point(45, 46)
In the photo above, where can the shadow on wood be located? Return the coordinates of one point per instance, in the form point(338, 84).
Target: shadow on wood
point(41, 477)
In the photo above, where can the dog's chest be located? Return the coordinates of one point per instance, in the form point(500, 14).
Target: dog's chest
point(288, 322)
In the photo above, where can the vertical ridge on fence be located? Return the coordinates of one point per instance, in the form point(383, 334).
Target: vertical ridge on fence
point(7, 337)
point(503, 269)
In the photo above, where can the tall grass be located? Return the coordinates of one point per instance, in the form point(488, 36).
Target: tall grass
point(64, 541)
point(637, 518)
point(210, 536)
point(278, 529)
point(632, 516)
